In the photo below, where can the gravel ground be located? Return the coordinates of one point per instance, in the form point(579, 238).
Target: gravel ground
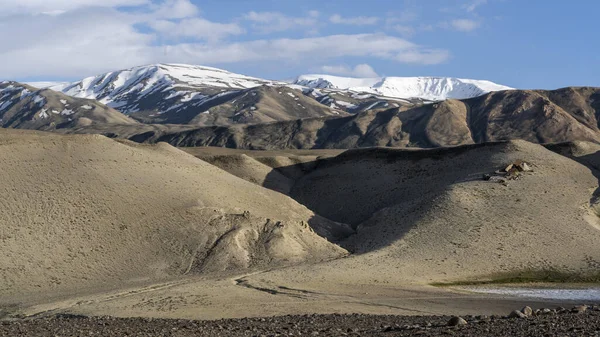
point(556, 323)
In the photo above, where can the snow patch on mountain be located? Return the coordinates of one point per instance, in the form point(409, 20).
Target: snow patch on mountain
point(45, 84)
point(428, 88)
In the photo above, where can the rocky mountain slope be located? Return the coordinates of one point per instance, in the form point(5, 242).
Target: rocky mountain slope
point(256, 105)
point(538, 116)
point(428, 88)
point(25, 107)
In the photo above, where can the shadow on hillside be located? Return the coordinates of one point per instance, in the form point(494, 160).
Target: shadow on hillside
point(591, 161)
point(355, 185)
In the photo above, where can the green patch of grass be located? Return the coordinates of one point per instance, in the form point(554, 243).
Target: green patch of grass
point(527, 276)
point(7, 311)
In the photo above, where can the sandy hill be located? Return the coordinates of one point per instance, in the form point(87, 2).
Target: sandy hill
point(430, 216)
point(252, 170)
point(424, 216)
point(26, 107)
point(427, 215)
point(562, 115)
point(86, 212)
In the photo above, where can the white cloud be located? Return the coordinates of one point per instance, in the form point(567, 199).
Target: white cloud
point(175, 9)
point(316, 48)
point(268, 22)
point(55, 12)
point(361, 70)
point(11, 7)
point(423, 57)
point(472, 6)
point(356, 21)
point(173, 19)
point(464, 25)
point(195, 27)
point(70, 45)
point(67, 43)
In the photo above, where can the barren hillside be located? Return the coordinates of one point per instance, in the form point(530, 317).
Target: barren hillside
point(87, 212)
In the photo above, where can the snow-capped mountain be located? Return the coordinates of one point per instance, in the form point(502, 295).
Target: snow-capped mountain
point(159, 88)
point(181, 94)
point(427, 88)
point(26, 107)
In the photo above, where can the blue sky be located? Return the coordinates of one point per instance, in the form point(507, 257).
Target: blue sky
point(524, 44)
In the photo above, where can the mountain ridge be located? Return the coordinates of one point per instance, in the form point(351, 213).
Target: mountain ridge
point(537, 116)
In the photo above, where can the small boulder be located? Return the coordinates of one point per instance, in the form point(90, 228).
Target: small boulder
point(546, 312)
point(517, 314)
point(527, 311)
point(525, 167)
point(457, 321)
point(579, 309)
point(482, 318)
point(497, 179)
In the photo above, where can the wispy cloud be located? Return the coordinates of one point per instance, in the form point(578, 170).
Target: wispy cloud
point(268, 22)
point(66, 43)
point(464, 25)
point(473, 4)
point(11, 7)
point(379, 46)
point(197, 28)
point(356, 21)
point(406, 31)
point(424, 56)
point(360, 70)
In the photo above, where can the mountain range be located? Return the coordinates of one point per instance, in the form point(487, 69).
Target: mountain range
point(185, 94)
point(203, 106)
point(537, 116)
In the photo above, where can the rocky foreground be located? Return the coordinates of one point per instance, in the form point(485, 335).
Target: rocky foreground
point(578, 321)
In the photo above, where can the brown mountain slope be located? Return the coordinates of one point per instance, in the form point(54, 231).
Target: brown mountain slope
point(25, 107)
point(261, 104)
point(562, 115)
point(538, 116)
